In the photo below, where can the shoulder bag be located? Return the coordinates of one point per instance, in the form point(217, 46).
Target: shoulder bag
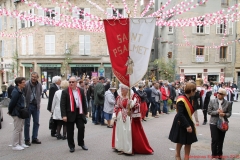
point(23, 112)
point(222, 124)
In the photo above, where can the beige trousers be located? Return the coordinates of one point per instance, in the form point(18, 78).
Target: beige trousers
point(18, 130)
point(196, 116)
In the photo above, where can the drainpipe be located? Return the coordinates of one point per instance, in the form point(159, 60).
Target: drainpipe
point(156, 52)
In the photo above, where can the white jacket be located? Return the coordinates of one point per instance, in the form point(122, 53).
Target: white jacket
point(109, 102)
point(56, 105)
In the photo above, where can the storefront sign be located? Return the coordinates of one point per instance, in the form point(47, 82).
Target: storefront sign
point(8, 66)
point(200, 58)
point(84, 65)
point(48, 65)
point(101, 71)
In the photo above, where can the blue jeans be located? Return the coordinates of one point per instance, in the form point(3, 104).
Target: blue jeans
point(4, 94)
point(93, 111)
point(35, 115)
point(99, 114)
point(165, 110)
point(153, 107)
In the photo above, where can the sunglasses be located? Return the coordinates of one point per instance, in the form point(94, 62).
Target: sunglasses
point(72, 81)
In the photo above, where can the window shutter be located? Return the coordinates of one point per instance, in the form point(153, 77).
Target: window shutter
point(41, 15)
point(125, 15)
point(23, 45)
point(28, 22)
point(30, 45)
point(230, 27)
point(75, 13)
point(86, 10)
point(194, 29)
point(81, 44)
point(11, 22)
point(33, 15)
point(110, 12)
point(52, 44)
point(206, 54)
point(87, 45)
point(217, 56)
point(47, 44)
point(5, 22)
point(18, 23)
point(193, 54)
point(0, 23)
point(229, 54)
point(217, 28)
point(2, 48)
point(25, 21)
point(57, 13)
point(207, 29)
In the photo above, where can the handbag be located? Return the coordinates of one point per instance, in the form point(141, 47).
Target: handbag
point(215, 94)
point(51, 122)
point(222, 124)
point(84, 120)
point(23, 113)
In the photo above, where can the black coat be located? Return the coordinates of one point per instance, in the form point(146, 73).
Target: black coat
point(66, 106)
point(149, 94)
point(197, 101)
point(9, 91)
point(52, 91)
point(207, 100)
point(172, 93)
point(17, 102)
point(178, 132)
point(107, 86)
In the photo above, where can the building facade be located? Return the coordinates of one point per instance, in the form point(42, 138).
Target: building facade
point(51, 50)
point(194, 48)
point(237, 62)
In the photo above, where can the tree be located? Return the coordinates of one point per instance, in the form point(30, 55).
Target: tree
point(166, 68)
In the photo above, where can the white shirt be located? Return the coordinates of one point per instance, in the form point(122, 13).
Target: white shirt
point(220, 103)
point(76, 97)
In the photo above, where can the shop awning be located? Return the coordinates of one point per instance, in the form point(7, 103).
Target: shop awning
point(49, 65)
point(107, 65)
point(85, 65)
point(27, 64)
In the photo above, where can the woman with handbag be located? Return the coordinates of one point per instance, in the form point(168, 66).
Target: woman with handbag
point(16, 105)
point(183, 131)
point(220, 110)
point(56, 110)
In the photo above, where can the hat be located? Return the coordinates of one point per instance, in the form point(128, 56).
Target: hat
point(222, 91)
point(100, 78)
point(113, 86)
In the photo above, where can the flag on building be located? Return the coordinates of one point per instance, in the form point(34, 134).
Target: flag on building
point(129, 44)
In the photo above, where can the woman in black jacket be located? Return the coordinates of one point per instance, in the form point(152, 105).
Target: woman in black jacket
point(17, 102)
point(206, 99)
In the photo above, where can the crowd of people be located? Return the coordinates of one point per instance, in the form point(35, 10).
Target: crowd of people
point(124, 109)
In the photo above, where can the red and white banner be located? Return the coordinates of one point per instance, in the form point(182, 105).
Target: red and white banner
point(129, 44)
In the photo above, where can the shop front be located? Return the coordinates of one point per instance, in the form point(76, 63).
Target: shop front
point(89, 70)
point(28, 68)
point(48, 71)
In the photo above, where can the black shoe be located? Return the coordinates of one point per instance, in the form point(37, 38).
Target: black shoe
point(36, 141)
point(96, 123)
point(28, 143)
point(84, 147)
point(54, 135)
point(72, 150)
point(59, 137)
point(204, 123)
point(64, 137)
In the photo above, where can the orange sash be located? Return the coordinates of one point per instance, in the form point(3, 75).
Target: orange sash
point(187, 105)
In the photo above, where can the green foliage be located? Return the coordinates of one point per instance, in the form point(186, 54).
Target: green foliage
point(169, 102)
point(67, 59)
point(166, 69)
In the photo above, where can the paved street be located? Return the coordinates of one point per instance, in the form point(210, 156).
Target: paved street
point(98, 140)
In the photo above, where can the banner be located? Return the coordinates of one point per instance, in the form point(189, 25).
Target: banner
point(129, 44)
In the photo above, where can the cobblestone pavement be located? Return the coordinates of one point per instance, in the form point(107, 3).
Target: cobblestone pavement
point(98, 140)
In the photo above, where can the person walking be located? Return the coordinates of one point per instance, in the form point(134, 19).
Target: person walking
point(74, 111)
point(149, 96)
point(56, 111)
point(99, 91)
point(155, 100)
point(172, 93)
point(205, 101)
point(4, 89)
point(165, 90)
point(218, 108)
point(32, 92)
point(17, 102)
point(56, 81)
point(143, 96)
point(91, 92)
point(109, 102)
point(44, 90)
point(183, 130)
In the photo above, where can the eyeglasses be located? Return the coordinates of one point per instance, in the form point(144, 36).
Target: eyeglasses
point(72, 81)
point(220, 94)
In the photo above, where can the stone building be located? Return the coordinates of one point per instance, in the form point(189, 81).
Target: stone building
point(51, 50)
point(237, 62)
point(200, 59)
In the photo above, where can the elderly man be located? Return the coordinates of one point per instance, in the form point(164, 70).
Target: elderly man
point(165, 90)
point(74, 111)
point(32, 93)
point(56, 81)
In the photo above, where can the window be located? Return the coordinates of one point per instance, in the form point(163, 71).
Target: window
point(226, 27)
point(84, 44)
point(31, 23)
point(224, 54)
point(224, 2)
point(50, 13)
point(200, 54)
point(201, 2)
point(170, 29)
point(30, 45)
point(116, 13)
point(200, 50)
point(53, 13)
point(79, 13)
point(49, 44)
point(169, 54)
point(23, 39)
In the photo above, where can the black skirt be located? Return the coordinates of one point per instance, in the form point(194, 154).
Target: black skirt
point(179, 134)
